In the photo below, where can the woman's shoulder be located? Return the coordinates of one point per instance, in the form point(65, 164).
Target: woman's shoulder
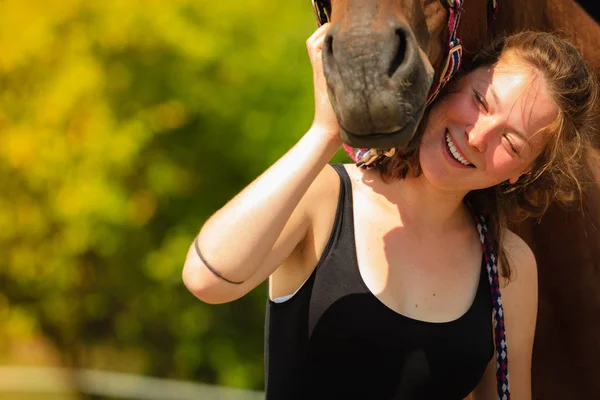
point(519, 252)
point(324, 190)
point(339, 171)
point(523, 280)
point(520, 306)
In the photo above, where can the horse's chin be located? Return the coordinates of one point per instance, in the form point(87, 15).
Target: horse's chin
point(396, 139)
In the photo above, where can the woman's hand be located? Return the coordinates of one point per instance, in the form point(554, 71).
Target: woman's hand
point(325, 120)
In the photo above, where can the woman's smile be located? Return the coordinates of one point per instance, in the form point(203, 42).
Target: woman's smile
point(454, 153)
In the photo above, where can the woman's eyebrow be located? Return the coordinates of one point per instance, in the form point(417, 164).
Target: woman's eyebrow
point(522, 136)
point(494, 94)
point(487, 85)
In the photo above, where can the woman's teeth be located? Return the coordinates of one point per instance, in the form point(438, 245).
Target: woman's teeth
point(455, 152)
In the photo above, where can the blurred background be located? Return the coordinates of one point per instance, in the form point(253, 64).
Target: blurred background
point(123, 125)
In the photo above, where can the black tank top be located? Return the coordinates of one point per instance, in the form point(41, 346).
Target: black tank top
point(334, 339)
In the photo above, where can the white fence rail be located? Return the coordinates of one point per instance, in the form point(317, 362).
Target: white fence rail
point(111, 384)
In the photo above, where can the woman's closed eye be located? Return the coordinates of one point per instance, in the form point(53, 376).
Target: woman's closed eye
point(480, 100)
point(510, 145)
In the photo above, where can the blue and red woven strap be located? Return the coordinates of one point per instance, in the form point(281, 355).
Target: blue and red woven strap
point(491, 262)
point(454, 57)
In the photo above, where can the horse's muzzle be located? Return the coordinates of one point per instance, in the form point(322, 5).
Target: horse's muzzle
point(378, 84)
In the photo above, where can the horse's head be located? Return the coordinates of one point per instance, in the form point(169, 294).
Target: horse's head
point(380, 59)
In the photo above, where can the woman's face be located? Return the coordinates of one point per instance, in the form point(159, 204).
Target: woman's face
point(487, 129)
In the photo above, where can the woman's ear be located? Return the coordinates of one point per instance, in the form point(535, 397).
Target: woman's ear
point(514, 179)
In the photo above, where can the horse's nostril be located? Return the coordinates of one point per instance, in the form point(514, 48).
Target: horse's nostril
point(328, 45)
point(400, 52)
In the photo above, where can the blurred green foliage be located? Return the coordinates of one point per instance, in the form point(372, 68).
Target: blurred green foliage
point(123, 125)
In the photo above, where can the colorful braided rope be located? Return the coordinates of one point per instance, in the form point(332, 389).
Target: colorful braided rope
point(491, 262)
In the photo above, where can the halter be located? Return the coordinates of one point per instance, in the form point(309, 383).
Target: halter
point(455, 50)
point(454, 57)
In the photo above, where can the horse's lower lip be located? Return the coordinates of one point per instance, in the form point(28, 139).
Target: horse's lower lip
point(398, 138)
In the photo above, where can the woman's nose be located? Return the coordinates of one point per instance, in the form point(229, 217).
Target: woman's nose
point(478, 135)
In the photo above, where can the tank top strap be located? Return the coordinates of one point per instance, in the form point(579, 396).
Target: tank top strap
point(344, 219)
point(491, 262)
point(346, 184)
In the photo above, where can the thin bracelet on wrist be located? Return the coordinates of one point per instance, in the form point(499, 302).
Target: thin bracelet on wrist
point(211, 269)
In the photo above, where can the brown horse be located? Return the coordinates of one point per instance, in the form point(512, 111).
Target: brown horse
point(380, 59)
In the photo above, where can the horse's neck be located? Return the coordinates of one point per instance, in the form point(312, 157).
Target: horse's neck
point(569, 18)
point(565, 17)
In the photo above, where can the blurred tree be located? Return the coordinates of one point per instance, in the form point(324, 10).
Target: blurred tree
point(123, 125)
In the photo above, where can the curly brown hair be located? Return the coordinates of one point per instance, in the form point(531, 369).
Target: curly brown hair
point(559, 173)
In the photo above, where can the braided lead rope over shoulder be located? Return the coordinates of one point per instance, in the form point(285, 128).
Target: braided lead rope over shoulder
point(211, 269)
point(491, 262)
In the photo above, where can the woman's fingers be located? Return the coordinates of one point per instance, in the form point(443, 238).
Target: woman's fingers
point(319, 33)
point(324, 118)
point(314, 46)
point(314, 43)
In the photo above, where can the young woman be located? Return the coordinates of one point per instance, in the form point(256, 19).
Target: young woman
point(377, 279)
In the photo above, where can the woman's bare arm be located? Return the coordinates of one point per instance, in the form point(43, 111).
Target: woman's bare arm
point(247, 239)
